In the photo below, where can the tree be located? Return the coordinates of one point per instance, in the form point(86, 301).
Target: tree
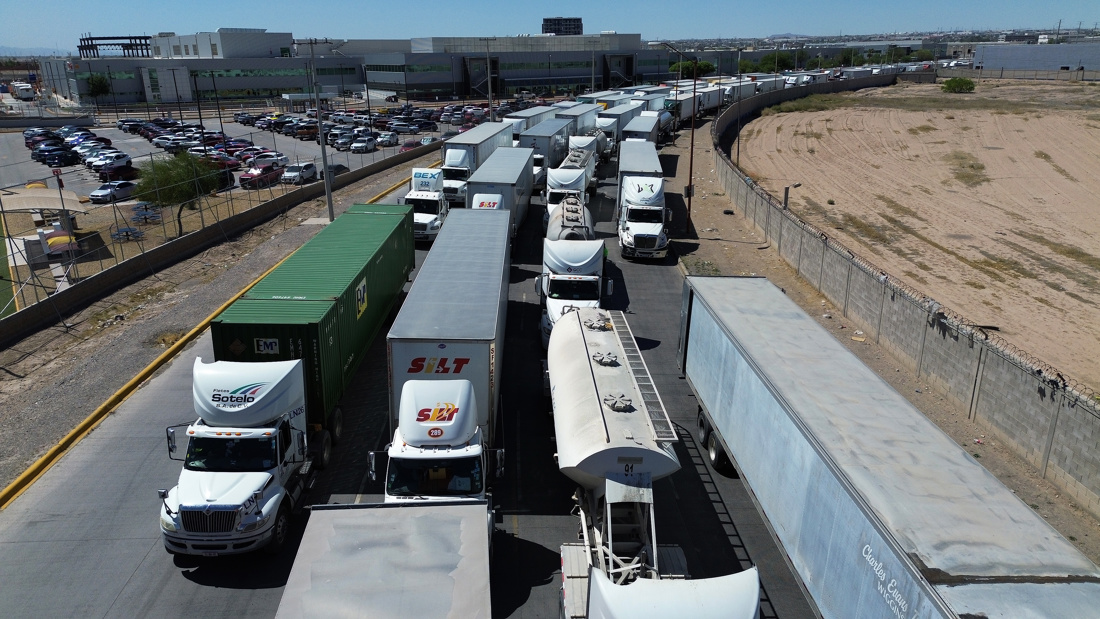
point(98, 85)
point(686, 68)
point(179, 180)
point(958, 84)
point(924, 55)
point(776, 62)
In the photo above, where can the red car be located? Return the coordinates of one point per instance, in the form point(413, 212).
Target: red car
point(409, 145)
point(223, 162)
point(260, 176)
point(125, 172)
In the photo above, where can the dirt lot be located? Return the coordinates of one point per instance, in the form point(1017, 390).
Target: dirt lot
point(871, 164)
point(986, 202)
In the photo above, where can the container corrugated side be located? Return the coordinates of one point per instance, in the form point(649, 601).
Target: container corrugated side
point(259, 330)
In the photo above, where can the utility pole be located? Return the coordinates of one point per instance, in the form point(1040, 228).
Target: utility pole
point(488, 75)
point(325, 172)
point(689, 191)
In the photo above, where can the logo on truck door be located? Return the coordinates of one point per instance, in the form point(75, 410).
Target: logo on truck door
point(437, 365)
point(442, 412)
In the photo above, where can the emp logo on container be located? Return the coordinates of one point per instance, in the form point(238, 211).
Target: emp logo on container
point(266, 346)
point(442, 412)
point(361, 299)
point(437, 365)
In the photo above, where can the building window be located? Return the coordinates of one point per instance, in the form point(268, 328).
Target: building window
point(213, 49)
point(176, 50)
point(156, 50)
point(186, 50)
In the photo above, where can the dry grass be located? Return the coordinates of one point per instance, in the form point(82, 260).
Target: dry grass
point(966, 168)
point(922, 129)
point(1057, 168)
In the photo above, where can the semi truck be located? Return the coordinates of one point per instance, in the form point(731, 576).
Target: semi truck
point(594, 141)
point(905, 523)
point(508, 174)
point(572, 267)
point(612, 121)
point(614, 439)
point(464, 153)
point(650, 102)
point(445, 367)
point(268, 413)
point(640, 213)
point(525, 119)
point(614, 100)
point(430, 208)
point(583, 117)
point(574, 178)
point(592, 97)
point(643, 128)
point(550, 141)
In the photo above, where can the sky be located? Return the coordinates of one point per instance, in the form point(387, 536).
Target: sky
point(58, 24)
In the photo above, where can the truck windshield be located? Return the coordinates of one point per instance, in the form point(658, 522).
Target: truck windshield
point(452, 477)
point(428, 207)
point(454, 174)
point(644, 215)
point(574, 289)
point(230, 455)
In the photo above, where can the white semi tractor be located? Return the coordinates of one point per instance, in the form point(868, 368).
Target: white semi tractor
point(641, 214)
point(614, 439)
point(505, 182)
point(574, 178)
point(881, 513)
point(572, 274)
point(464, 153)
point(430, 207)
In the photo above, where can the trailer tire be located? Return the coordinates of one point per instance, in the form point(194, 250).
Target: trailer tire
point(717, 456)
point(280, 531)
point(337, 425)
point(702, 429)
point(323, 452)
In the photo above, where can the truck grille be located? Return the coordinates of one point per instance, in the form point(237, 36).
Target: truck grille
point(420, 227)
point(217, 521)
point(645, 241)
point(450, 190)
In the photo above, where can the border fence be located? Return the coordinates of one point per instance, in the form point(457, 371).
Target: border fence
point(1048, 418)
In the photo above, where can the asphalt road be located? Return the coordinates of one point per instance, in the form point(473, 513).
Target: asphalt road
point(83, 541)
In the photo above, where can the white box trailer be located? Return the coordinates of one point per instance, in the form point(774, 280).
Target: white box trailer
point(880, 512)
point(614, 100)
point(465, 152)
point(389, 559)
point(650, 90)
point(592, 97)
point(766, 82)
point(651, 102)
point(644, 128)
point(550, 141)
point(583, 117)
point(621, 114)
point(525, 119)
point(510, 174)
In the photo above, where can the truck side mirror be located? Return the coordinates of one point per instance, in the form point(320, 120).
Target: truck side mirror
point(171, 432)
point(499, 463)
point(610, 287)
point(302, 444)
point(538, 284)
point(163, 494)
point(371, 472)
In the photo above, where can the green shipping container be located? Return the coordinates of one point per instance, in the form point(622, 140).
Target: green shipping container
point(325, 303)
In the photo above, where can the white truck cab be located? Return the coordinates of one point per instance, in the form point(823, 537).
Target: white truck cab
point(437, 452)
point(642, 218)
point(245, 461)
point(429, 204)
point(572, 277)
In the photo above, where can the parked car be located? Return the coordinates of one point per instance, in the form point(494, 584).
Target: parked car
point(40, 153)
point(448, 135)
point(299, 174)
point(109, 158)
point(113, 192)
point(403, 127)
point(363, 144)
point(345, 141)
point(335, 169)
point(94, 155)
point(118, 173)
point(409, 145)
point(426, 125)
point(222, 161)
point(62, 158)
point(388, 138)
point(261, 175)
point(274, 158)
point(306, 132)
point(428, 139)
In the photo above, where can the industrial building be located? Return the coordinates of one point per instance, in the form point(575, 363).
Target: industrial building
point(562, 25)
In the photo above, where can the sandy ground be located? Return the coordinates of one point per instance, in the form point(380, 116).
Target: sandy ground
point(992, 212)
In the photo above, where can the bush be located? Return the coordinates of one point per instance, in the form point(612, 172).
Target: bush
point(958, 84)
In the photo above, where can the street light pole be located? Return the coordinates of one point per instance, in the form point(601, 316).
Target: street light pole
point(176, 92)
point(739, 87)
point(787, 193)
point(689, 191)
point(111, 83)
point(326, 173)
point(217, 102)
point(489, 75)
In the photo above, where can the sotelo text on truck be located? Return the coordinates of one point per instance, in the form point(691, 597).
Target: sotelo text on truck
point(268, 412)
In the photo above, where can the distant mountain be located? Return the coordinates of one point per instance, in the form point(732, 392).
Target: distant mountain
point(789, 36)
point(23, 52)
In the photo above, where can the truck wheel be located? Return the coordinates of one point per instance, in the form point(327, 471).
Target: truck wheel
point(717, 456)
point(322, 453)
point(279, 531)
point(702, 428)
point(337, 425)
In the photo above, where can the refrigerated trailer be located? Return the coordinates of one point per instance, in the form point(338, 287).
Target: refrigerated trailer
point(880, 512)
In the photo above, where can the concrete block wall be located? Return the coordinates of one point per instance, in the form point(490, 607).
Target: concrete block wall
point(1026, 405)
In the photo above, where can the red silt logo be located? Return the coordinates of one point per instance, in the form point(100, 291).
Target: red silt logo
point(442, 412)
